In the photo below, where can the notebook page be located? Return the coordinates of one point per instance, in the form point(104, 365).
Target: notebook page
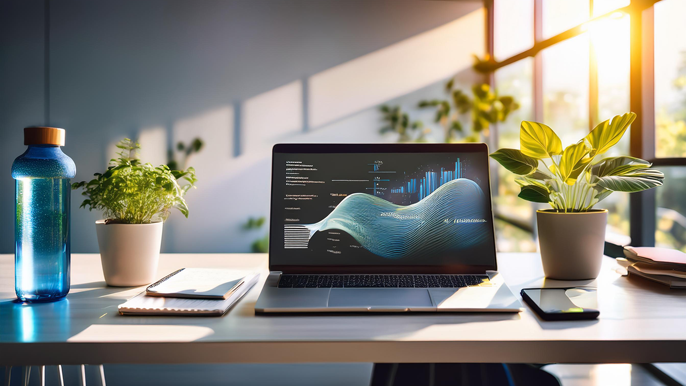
point(155, 303)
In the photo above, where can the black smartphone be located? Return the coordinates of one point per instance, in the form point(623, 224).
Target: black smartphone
point(562, 303)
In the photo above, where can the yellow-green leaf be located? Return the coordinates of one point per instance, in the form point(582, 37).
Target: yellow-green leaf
point(608, 133)
point(538, 140)
point(574, 160)
point(527, 180)
point(552, 168)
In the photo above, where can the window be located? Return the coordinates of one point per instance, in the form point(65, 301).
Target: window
point(610, 52)
point(670, 122)
point(670, 78)
point(577, 73)
point(561, 15)
point(565, 88)
point(514, 27)
point(515, 80)
point(601, 7)
point(671, 209)
point(514, 222)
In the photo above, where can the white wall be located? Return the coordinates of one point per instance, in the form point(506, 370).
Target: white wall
point(241, 75)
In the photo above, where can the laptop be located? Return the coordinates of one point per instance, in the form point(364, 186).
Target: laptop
point(382, 228)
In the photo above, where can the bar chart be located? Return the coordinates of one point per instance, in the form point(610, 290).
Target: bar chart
point(430, 181)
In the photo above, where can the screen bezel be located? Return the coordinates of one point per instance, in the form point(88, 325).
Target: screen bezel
point(479, 148)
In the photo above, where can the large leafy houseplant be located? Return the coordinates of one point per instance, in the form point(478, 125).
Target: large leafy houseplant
point(576, 178)
point(573, 180)
point(132, 192)
point(481, 110)
point(453, 113)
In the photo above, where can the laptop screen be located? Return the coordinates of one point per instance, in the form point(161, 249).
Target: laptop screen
point(410, 206)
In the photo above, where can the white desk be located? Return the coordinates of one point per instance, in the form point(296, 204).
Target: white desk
point(639, 322)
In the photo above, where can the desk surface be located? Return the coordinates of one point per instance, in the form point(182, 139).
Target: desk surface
point(639, 322)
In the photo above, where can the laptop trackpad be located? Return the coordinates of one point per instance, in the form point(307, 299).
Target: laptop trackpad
point(379, 297)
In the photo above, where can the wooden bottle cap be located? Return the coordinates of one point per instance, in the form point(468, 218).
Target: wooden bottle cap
point(44, 136)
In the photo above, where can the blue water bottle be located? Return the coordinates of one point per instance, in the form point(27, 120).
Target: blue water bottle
point(41, 231)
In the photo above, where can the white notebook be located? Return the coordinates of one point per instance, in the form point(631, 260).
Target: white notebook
point(201, 283)
point(142, 304)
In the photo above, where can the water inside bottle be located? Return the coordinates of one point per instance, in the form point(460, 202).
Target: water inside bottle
point(41, 236)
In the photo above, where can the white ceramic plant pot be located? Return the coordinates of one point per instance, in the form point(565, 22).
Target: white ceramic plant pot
point(571, 244)
point(129, 252)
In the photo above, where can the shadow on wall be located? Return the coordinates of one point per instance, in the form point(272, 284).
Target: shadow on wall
point(337, 103)
point(235, 165)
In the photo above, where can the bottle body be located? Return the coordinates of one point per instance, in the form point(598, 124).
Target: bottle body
point(42, 207)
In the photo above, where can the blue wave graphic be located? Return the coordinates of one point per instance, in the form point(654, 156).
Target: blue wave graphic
point(449, 219)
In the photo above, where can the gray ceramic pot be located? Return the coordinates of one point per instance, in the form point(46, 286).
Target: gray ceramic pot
point(571, 243)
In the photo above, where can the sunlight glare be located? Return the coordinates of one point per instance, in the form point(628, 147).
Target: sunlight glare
point(610, 40)
point(612, 374)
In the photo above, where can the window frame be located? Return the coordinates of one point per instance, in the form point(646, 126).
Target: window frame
point(642, 205)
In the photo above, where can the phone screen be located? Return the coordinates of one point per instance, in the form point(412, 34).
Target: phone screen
point(564, 300)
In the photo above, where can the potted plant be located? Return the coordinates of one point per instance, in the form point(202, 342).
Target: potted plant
point(135, 198)
point(572, 234)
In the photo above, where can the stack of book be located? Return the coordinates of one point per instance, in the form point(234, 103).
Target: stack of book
point(192, 292)
point(663, 265)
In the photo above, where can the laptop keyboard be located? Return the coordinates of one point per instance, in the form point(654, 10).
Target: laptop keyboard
point(380, 281)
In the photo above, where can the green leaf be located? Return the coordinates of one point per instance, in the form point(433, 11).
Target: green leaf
point(538, 140)
point(618, 166)
point(178, 173)
point(633, 181)
point(515, 161)
point(462, 102)
point(182, 207)
point(573, 161)
point(132, 192)
point(608, 133)
point(602, 194)
point(456, 126)
point(427, 103)
point(445, 106)
point(527, 180)
point(481, 91)
point(534, 193)
point(541, 174)
point(472, 138)
point(197, 145)
point(439, 115)
point(449, 85)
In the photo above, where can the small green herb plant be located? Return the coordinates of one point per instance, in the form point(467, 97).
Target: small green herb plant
point(576, 178)
point(132, 192)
